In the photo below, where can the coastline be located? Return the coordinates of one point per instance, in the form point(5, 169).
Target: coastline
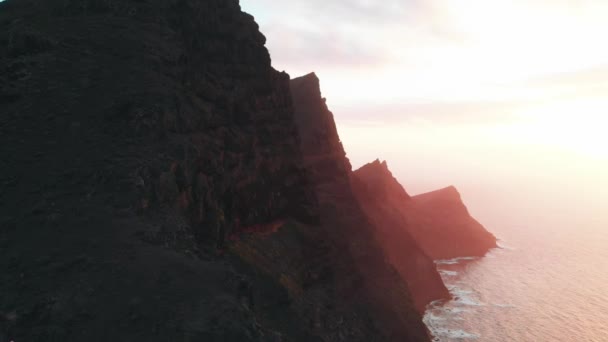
point(442, 316)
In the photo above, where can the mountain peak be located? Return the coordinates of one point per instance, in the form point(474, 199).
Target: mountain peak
point(381, 180)
point(449, 193)
point(311, 76)
point(309, 82)
point(379, 165)
point(377, 168)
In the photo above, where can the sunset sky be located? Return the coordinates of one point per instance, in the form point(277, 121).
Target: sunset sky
point(456, 91)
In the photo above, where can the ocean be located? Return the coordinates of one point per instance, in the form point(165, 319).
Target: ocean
point(548, 281)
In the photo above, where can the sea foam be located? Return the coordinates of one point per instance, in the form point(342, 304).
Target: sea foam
point(454, 261)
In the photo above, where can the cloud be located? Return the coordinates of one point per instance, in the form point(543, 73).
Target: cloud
point(451, 61)
point(338, 34)
point(468, 113)
point(585, 82)
point(336, 11)
point(303, 50)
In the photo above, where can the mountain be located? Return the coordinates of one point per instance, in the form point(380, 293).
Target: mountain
point(382, 197)
point(438, 221)
point(154, 186)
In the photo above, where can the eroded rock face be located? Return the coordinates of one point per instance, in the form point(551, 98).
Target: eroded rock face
point(135, 137)
point(370, 289)
point(179, 94)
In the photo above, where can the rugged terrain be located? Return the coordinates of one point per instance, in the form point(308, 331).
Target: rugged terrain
point(153, 186)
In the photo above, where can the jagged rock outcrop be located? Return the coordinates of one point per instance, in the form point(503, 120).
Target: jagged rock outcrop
point(381, 197)
point(364, 276)
point(379, 179)
point(438, 221)
point(443, 227)
point(325, 156)
point(152, 187)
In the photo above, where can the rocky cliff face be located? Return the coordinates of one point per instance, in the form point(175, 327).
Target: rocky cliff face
point(320, 144)
point(381, 197)
point(152, 187)
point(438, 221)
point(136, 136)
point(363, 274)
point(443, 227)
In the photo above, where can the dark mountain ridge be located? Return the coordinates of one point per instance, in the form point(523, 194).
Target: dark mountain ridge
point(154, 187)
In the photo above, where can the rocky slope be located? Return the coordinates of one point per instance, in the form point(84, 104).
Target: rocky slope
point(153, 188)
point(344, 223)
point(438, 221)
point(381, 197)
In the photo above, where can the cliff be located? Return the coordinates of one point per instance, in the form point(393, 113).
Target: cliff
point(438, 221)
point(381, 197)
point(443, 227)
point(364, 277)
point(153, 187)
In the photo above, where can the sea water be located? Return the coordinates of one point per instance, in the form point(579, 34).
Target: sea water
point(542, 284)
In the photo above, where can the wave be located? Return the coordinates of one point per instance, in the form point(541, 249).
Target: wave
point(455, 334)
point(454, 261)
point(501, 244)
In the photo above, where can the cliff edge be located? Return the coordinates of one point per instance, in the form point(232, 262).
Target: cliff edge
point(382, 197)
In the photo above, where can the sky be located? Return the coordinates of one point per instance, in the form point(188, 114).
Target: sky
point(488, 95)
point(439, 50)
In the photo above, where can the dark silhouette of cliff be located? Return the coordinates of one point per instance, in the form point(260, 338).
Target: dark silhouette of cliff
point(343, 222)
point(152, 186)
point(438, 221)
point(381, 197)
